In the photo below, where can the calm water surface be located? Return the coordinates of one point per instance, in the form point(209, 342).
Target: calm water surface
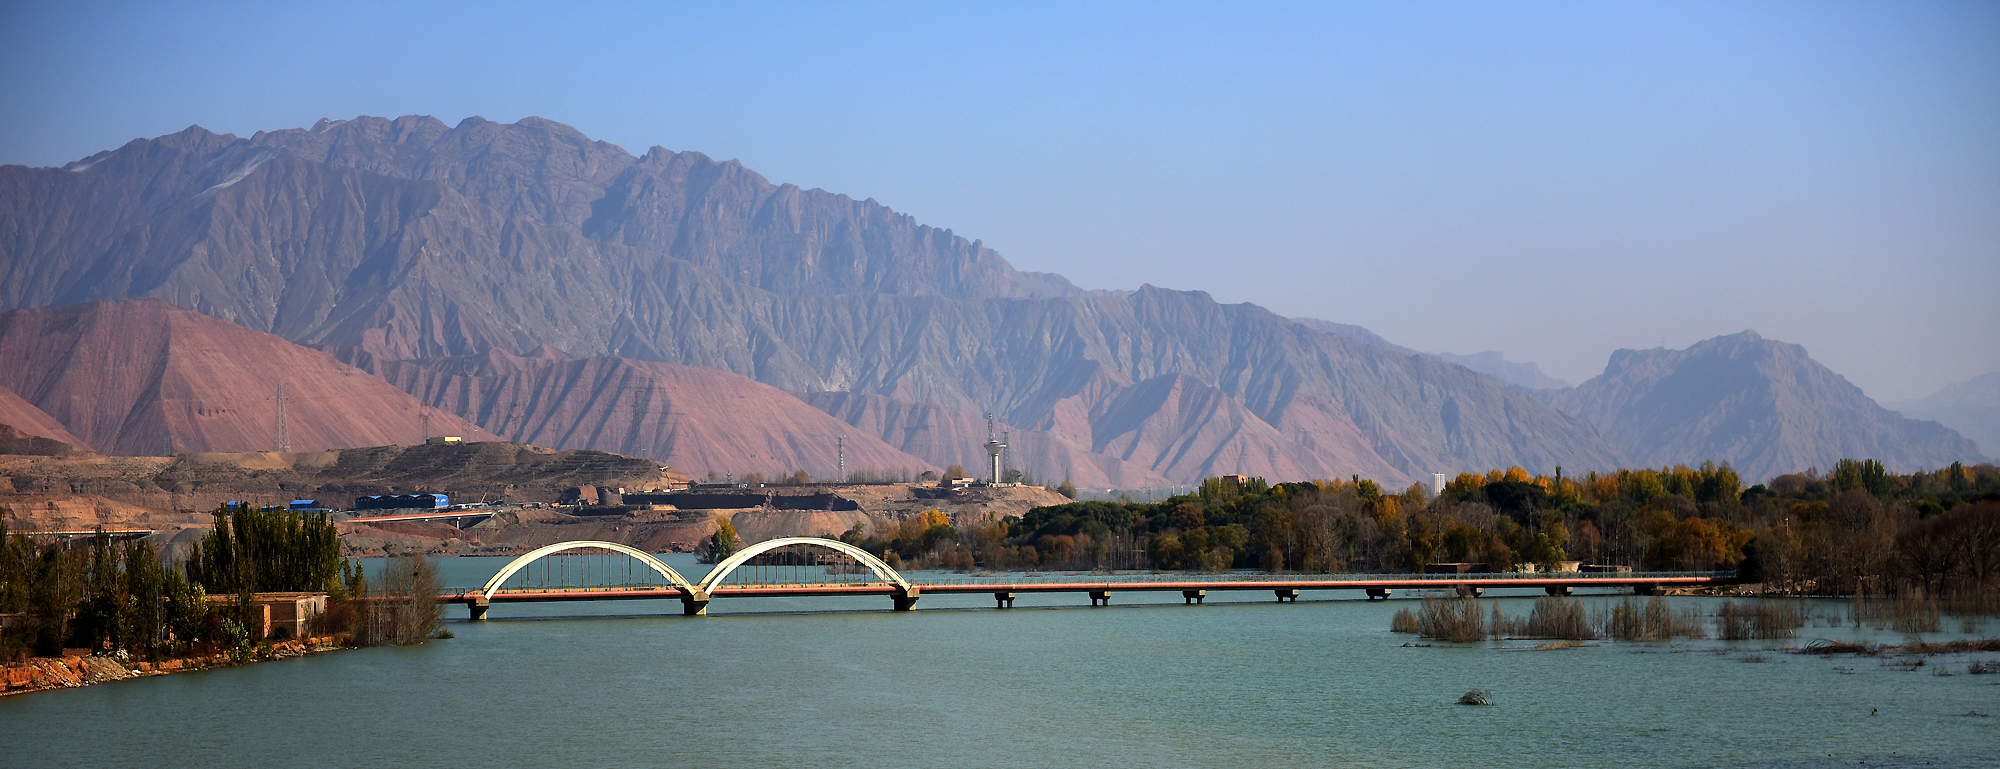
point(1242, 681)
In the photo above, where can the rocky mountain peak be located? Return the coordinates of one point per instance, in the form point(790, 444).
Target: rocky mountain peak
point(1763, 405)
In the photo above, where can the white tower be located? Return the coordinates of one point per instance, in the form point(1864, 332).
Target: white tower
point(993, 450)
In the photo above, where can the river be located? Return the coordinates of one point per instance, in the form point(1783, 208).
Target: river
point(1243, 681)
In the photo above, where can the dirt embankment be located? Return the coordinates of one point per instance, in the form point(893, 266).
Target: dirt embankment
point(665, 528)
point(174, 496)
point(69, 671)
point(83, 491)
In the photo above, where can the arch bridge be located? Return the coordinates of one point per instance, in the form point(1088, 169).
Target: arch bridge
point(814, 566)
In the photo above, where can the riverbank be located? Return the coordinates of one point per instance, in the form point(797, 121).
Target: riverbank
point(68, 672)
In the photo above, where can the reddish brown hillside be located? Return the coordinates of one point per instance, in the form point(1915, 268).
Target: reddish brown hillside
point(143, 377)
point(21, 415)
point(697, 419)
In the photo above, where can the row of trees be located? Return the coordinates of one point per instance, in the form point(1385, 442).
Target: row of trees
point(1857, 529)
point(103, 596)
point(125, 597)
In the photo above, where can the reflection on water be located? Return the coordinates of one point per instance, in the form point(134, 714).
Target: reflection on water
point(1242, 681)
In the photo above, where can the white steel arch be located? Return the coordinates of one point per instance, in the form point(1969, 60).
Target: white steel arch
point(722, 570)
point(498, 580)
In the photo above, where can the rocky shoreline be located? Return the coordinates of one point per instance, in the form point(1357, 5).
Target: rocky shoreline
point(73, 670)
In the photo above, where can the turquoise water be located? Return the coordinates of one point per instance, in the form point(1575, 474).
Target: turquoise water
point(1242, 681)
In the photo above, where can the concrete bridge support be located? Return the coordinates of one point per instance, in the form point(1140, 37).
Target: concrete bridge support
point(1194, 596)
point(479, 606)
point(1562, 590)
point(695, 604)
point(906, 598)
point(1006, 600)
point(1469, 591)
point(1100, 598)
point(1646, 590)
point(1287, 594)
point(1378, 593)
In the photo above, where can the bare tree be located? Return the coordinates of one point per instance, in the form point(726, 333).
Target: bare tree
point(403, 609)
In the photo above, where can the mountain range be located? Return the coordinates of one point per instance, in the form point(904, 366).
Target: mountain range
point(1763, 405)
point(549, 288)
point(1971, 407)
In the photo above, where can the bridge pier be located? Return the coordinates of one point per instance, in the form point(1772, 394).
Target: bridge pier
point(1006, 600)
point(694, 604)
point(906, 599)
point(1100, 598)
point(1469, 591)
point(1194, 596)
point(1287, 594)
point(479, 606)
point(1378, 593)
point(1646, 590)
point(1562, 590)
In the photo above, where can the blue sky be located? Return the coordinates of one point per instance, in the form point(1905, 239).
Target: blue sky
point(1551, 180)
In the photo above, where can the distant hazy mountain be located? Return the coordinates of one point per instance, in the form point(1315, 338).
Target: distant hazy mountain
point(1763, 406)
point(1496, 365)
point(1971, 407)
point(1490, 363)
point(412, 240)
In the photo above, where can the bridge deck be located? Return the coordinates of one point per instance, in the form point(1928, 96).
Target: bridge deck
point(1119, 583)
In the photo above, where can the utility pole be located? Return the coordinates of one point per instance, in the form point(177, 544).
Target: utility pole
point(284, 440)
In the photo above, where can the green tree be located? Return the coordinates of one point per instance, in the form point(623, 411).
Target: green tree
point(145, 618)
point(98, 624)
point(1868, 475)
point(724, 542)
point(187, 609)
point(272, 549)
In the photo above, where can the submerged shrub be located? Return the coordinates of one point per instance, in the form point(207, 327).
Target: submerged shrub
point(1502, 627)
point(1451, 619)
point(1908, 613)
point(1405, 621)
point(1563, 618)
point(1762, 619)
point(1652, 621)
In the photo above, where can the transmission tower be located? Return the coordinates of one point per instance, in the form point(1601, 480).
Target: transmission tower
point(638, 421)
point(284, 438)
point(426, 416)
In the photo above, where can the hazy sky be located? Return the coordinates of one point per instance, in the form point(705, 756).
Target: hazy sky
point(1553, 181)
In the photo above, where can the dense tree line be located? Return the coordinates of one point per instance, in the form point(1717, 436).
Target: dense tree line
point(111, 597)
point(1857, 529)
point(266, 550)
point(105, 596)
